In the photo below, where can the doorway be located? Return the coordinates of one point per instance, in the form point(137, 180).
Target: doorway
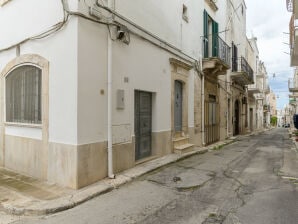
point(236, 118)
point(143, 124)
point(251, 119)
point(178, 106)
point(211, 120)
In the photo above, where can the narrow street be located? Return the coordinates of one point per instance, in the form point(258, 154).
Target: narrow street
point(240, 183)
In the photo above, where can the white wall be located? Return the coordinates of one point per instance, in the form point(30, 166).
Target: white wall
point(236, 24)
point(92, 73)
point(22, 19)
point(60, 49)
point(163, 19)
point(146, 66)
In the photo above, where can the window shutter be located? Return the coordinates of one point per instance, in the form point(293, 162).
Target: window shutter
point(214, 39)
point(205, 38)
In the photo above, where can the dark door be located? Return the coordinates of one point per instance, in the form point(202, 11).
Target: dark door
point(178, 106)
point(236, 118)
point(234, 58)
point(143, 124)
point(211, 120)
point(251, 118)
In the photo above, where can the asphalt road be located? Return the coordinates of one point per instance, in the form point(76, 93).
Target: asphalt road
point(240, 183)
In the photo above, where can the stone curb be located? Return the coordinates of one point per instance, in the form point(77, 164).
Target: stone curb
point(101, 187)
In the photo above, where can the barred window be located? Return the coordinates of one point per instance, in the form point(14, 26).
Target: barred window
point(23, 95)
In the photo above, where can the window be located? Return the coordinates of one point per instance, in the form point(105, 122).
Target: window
point(210, 41)
point(185, 13)
point(23, 95)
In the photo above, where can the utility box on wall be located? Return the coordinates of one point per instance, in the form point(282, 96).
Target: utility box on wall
point(120, 99)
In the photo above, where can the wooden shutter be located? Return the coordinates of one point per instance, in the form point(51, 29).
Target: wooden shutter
point(205, 38)
point(214, 39)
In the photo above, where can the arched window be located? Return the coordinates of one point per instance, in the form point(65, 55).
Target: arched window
point(23, 95)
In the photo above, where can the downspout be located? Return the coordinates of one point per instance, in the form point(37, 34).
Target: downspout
point(228, 108)
point(110, 109)
point(203, 100)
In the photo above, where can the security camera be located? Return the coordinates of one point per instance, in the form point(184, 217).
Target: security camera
point(120, 34)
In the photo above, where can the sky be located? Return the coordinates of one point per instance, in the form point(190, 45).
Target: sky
point(268, 20)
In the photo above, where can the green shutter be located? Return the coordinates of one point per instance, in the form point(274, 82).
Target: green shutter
point(214, 39)
point(205, 38)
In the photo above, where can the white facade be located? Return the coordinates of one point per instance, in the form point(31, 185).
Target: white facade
point(145, 46)
point(74, 137)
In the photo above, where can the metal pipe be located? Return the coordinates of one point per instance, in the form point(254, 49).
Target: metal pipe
point(203, 100)
point(110, 111)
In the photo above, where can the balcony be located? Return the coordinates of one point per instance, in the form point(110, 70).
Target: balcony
point(293, 85)
point(292, 101)
point(254, 88)
point(216, 59)
point(293, 96)
point(259, 96)
point(266, 108)
point(242, 73)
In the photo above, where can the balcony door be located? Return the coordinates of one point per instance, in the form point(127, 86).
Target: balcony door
point(234, 58)
point(210, 36)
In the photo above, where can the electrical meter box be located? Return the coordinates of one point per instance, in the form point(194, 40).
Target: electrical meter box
point(120, 99)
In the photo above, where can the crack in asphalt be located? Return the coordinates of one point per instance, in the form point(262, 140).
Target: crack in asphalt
point(250, 154)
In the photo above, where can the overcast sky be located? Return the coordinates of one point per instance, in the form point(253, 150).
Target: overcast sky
point(268, 21)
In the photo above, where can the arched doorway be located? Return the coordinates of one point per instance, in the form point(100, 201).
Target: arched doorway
point(236, 118)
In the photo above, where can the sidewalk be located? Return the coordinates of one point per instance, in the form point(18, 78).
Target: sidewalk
point(21, 195)
point(290, 164)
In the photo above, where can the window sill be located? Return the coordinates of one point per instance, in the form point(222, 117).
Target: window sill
point(23, 125)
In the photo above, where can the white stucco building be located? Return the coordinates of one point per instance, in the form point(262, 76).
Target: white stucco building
point(91, 88)
point(106, 80)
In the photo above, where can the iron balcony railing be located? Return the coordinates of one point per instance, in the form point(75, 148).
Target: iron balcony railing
point(259, 96)
point(214, 46)
point(241, 65)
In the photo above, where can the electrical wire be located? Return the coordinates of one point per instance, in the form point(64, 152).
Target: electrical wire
point(57, 27)
point(53, 29)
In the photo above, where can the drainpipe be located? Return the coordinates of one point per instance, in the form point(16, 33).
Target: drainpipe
point(228, 108)
point(203, 100)
point(110, 111)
